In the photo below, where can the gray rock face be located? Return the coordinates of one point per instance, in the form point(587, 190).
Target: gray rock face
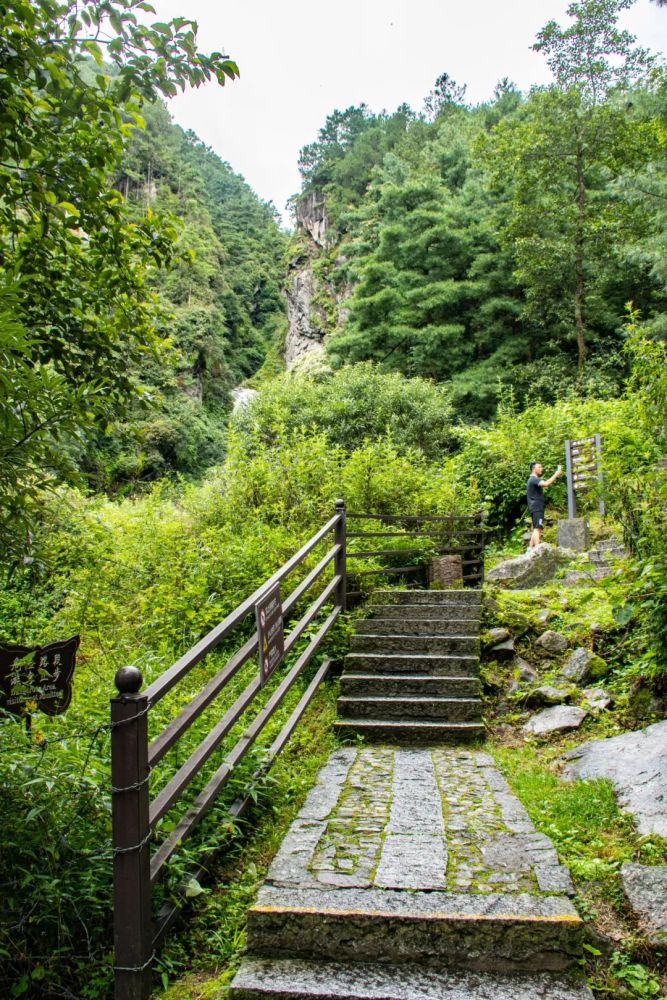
point(582, 664)
point(543, 616)
point(305, 330)
point(636, 763)
point(530, 569)
point(597, 699)
point(552, 720)
point(311, 216)
point(646, 891)
point(547, 695)
point(551, 643)
point(573, 534)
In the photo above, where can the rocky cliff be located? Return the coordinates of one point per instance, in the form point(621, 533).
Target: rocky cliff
point(315, 303)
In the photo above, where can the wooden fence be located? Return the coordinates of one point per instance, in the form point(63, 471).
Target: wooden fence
point(450, 535)
point(135, 815)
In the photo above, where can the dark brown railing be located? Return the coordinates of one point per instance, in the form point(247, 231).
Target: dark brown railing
point(135, 815)
point(461, 534)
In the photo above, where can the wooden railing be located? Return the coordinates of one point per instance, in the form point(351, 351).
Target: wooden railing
point(135, 815)
point(461, 534)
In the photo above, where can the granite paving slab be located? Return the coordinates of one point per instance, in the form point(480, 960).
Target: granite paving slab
point(423, 847)
point(290, 979)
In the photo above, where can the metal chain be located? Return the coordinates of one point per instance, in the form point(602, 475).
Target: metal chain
point(134, 968)
point(135, 786)
point(134, 847)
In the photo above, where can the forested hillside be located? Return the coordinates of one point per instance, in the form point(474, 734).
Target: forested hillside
point(500, 244)
point(218, 307)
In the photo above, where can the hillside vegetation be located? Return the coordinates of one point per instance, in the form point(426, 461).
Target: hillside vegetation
point(505, 277)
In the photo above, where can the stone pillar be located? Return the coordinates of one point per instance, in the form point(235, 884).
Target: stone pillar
point(445, 572)
point(573, 534)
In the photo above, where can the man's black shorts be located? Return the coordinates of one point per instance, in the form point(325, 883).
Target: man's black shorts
point(538, 518)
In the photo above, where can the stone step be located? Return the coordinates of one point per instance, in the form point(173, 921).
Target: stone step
point(469, 597)
point(606, 556)
point(426, 644)
point(444, 612)
point(503, 932)
point(610, 543)
point(411, 731)
point(412, 663)
point(408, 708)
point(419, 626)
point(294, 979)
point(406, 685)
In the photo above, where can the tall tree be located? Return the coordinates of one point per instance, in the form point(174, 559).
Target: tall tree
point(562, 151)
point(73, 265)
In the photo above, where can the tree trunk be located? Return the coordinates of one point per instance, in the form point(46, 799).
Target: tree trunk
point(579, 260)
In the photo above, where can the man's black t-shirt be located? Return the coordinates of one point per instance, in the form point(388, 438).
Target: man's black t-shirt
point(534, 494)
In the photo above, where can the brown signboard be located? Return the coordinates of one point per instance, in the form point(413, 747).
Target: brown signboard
point(270, 632)
point(37, 677)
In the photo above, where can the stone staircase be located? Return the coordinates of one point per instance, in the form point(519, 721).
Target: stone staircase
point(602, 557)
point(412, 673)
point(413, 873)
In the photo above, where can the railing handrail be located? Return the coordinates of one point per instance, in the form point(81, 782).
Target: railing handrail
point(159, 688)
point(134, 815)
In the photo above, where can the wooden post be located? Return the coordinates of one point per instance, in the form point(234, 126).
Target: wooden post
point(571, 499)
point(133, 932)
point(340, 563)
point(598, 458)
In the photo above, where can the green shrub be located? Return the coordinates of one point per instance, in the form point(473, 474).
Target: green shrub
point(356, 403)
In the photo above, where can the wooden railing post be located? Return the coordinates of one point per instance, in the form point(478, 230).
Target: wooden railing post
point(340, 563)
point(133, 933)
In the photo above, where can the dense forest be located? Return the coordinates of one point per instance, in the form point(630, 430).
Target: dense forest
point(491, 281)
point(499, 246)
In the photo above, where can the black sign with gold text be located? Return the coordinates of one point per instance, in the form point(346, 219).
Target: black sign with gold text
point(37, 677)
point(270, 632)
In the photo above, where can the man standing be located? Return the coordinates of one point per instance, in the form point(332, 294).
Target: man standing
point(535, 497)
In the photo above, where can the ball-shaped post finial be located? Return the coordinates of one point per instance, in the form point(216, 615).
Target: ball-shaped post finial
point(128, 680)
point(340, 504)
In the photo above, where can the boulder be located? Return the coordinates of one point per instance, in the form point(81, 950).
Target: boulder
point(553, 719)
point(636, 764)
point(531, 569)
point(581, 665)
point(543, 616)
point(551, 643)
point(646, 891)
point(547, 695)
point(596, 699)
point(495, 635)
point(524, 670)
point(504, 650)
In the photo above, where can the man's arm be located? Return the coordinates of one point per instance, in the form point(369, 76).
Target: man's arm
point(549, 482)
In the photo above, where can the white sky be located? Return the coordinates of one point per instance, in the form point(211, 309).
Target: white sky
point(301, 59)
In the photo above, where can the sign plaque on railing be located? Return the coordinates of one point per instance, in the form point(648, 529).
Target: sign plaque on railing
point(270, 632)
point(39, 676)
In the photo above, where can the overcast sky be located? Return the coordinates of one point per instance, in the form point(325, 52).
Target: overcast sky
point(301, 59)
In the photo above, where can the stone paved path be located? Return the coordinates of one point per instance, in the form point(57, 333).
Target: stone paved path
point(413, 873)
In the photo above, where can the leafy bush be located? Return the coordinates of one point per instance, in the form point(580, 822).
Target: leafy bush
point(357, 403)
